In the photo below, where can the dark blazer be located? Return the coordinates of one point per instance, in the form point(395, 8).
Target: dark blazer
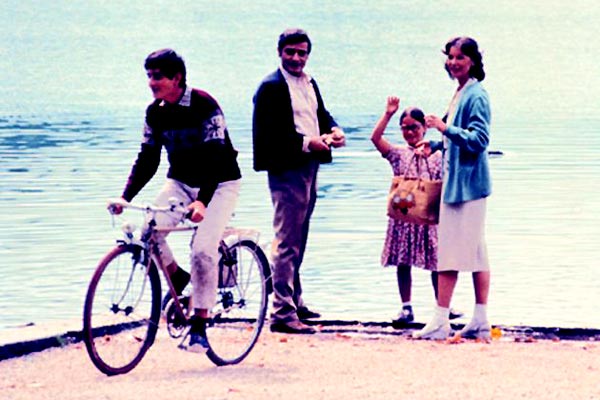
point(276, 144)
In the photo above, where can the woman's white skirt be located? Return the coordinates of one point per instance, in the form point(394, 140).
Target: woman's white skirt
point(461, 237)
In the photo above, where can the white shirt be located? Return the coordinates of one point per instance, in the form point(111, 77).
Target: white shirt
point(304, 105)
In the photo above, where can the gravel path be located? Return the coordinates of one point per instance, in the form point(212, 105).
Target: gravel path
point(322, 366)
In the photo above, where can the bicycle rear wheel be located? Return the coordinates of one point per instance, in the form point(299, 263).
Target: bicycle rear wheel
point(122, 310)
point(241, 304)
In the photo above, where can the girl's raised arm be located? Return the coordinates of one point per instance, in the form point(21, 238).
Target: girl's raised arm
point(381, 144)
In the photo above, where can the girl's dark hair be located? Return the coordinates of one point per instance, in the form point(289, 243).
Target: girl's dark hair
point(293, 36)
point(168, 62)
point(469, 48)
point(415, 113)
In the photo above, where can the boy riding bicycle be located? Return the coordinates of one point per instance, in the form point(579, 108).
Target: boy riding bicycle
point(203, 174)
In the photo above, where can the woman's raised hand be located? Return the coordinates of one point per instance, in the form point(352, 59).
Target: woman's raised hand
point(393, 103)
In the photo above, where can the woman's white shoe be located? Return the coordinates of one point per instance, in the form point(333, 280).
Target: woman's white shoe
point(476, 330)
point(433, 331)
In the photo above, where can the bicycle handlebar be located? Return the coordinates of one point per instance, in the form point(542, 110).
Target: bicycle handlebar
point(174, 206)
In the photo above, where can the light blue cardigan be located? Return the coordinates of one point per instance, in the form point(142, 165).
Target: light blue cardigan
point(469, 136)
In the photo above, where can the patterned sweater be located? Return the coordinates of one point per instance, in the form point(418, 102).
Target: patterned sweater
point(199, 149)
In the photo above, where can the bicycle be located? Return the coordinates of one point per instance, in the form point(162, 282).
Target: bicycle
point(123, 302)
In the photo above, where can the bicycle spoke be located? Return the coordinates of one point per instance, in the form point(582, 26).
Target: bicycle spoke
point(120, 317)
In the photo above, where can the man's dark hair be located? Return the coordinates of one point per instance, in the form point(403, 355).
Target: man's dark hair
point(168, 62)
point(293, 36)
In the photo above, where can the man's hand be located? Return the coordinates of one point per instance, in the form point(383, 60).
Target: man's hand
point(318, 143)
point(198, 209)
point(336, 138)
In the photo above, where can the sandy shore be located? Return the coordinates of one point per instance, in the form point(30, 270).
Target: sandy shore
point(323, 366)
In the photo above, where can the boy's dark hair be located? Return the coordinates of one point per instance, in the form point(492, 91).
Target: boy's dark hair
point(168, 62)
point(293, 36)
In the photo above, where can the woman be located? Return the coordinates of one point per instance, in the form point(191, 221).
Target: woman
point(467, 183)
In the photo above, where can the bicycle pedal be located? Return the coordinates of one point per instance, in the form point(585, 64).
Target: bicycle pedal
point(182, 344)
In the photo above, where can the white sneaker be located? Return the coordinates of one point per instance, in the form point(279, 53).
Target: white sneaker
point(433, 331)
point(476, 330)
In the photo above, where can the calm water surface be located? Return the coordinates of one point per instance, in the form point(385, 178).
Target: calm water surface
point(74, 93)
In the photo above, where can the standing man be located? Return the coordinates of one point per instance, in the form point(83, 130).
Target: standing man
point(292, 135)
point(203, 174)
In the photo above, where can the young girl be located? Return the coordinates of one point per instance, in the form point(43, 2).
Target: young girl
point(408, 244)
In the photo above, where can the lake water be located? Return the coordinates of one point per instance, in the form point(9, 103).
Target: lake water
point(74, 92)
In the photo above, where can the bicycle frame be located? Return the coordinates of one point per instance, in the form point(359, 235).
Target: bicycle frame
point(147, 241)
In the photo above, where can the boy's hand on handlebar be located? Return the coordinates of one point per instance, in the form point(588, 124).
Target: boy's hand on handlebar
point(115, 208)
point(197, 211)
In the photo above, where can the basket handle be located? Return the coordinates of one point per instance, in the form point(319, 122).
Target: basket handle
point(415, 158)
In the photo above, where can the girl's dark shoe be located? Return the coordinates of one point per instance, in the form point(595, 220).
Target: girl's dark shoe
point(405, 317)
point(454, 314)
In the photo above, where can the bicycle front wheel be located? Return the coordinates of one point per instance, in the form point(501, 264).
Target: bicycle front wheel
point(122, 310)
point(241, 304)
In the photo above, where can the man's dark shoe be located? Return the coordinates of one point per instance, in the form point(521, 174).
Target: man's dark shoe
point(305, 313)
point(294, 327)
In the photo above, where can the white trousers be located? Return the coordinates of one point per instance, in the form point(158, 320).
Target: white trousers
point(204, 245)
